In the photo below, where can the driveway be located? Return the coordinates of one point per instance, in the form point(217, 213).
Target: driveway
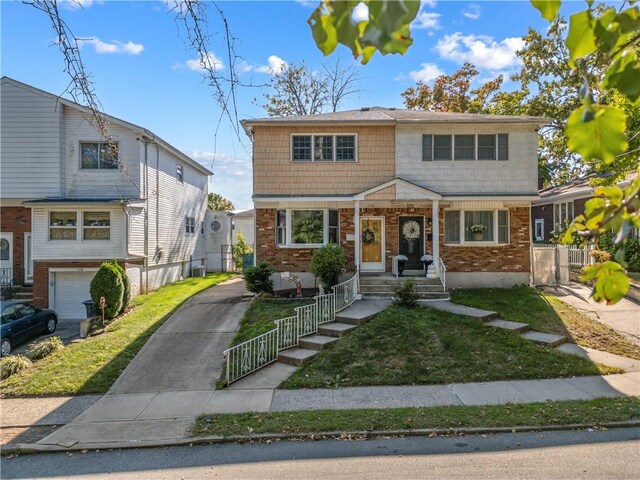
point(186, 352)
point(623, 317)
point(67, 330)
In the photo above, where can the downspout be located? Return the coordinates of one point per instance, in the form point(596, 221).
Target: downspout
point(146, 216)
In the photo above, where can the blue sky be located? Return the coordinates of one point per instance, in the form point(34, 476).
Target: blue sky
point(144, 73)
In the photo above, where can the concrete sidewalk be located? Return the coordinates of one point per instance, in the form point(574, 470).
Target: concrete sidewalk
point(623, 317)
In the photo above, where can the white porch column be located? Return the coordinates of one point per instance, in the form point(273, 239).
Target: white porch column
point(356, 219)
point(435, 234)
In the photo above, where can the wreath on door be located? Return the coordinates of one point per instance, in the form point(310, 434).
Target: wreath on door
point(411, 230)
point(368, 237)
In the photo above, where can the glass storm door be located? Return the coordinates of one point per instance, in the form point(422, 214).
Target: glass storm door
point(372, 244)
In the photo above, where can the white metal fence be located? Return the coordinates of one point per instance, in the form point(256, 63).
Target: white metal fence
point(249, 356)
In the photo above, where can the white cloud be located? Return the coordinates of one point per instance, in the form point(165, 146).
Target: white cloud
point(198, 65)
point(75, 4)
point(274, 65)
point(428, 72)
point(360, 13)
point(308, 3)
point(242, 66)
point(428, 3)
point(472, 11)
point(480, 50)
point(426, 21)
point(128, 48)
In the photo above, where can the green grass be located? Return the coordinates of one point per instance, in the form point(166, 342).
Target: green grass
point(259, 317)
point(456, 417)
point(94, 364)
point(423, 346)
point(549, 314)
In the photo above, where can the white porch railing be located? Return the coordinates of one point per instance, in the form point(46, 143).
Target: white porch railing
point(249, 356)
point(443, 275)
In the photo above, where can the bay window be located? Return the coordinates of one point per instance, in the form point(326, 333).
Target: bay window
point(306, 227)
point(476, 226)
point(323, 148)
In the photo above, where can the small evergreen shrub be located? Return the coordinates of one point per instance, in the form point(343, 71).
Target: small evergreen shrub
point(107, 283)
point(406, 295)
point(328, 264)
point(44, 348)
point(126, 296)
point(631, 249)
point(12, 364)
point(258, 279)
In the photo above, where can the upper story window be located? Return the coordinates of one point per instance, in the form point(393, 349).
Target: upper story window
point(63, 225)
point(323, 148)
point(476, 226)
point(562, 215)
point(98, 156)
point(180, 173)
point(190, 225)
point(465, 147)
point(307, 227)
point(96, 226)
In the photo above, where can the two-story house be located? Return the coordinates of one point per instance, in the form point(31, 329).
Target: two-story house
point(388, 182)
point(69, 202)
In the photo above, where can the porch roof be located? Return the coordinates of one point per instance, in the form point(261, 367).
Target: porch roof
point(397, 189)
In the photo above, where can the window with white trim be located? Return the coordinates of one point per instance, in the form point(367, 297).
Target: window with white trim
point(180, 173)
point(63, 225)
point(306, 227)
point(98, 156)
point(467, 147)
point(96, 226)
point(323, 148)
point(562, 215)
point(190, 225)
point(539, 229)
point(476, 226)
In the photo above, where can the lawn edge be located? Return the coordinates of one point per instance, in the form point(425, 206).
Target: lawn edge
point(18, 449)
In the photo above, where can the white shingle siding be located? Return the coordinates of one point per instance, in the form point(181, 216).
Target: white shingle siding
point(90, 183)
point(518, 175)
point(78, 249)
point(30, 144)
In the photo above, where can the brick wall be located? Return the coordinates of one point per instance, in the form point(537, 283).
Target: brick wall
point(41, 276)
point(513, 257)
point(16, 220)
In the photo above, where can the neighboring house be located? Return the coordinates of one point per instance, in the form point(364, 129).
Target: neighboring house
point(219, 230)
point(244, 222)
point(558, 206)
point(383, 182)
point(67, 205)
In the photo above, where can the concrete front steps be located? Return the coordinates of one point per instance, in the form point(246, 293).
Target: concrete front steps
point(24, 294)
point(346, 321)
point(383, 286)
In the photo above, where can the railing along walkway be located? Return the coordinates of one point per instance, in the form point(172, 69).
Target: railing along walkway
point(260, 351)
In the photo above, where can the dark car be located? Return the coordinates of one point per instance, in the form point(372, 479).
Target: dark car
point(20, 322)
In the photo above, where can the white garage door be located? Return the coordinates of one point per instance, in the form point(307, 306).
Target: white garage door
point(71, 289)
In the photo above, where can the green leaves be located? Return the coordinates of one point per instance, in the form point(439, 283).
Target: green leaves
point(386, 30)
point(548, 8)
point(610, 281)
point(624, 74)
point(600, 136)
point(581, 39)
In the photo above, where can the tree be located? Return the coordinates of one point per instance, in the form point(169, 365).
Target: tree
point(240, 249)
point(218, 203)
point(452, 93)
point(594, 130)
point(298, 90)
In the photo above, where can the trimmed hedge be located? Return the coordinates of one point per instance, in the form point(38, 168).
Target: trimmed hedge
point(107, 283)
point(257, 279)
point(126, 296)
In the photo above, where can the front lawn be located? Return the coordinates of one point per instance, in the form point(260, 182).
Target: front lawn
point(549, 314)
point(456, 417)
point(94, 364)
point(424, 346)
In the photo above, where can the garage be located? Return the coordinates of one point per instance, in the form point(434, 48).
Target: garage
point(70, 290)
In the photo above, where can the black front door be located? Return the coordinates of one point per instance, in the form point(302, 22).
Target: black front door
point(411, 241)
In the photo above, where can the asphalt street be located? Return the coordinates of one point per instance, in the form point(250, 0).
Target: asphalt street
point(585, 454)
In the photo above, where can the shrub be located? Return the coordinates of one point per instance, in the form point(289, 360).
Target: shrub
point(107, 283)
point(12, 364)
point(328, 264)
point(126, 296)
point(406, 295)
point(258, 279)
point(240, 249)
point(44, 348)
point(631, 249)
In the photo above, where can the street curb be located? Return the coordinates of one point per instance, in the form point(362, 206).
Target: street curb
point(18, 449)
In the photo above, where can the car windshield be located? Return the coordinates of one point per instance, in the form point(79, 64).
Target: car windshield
point(10, 313)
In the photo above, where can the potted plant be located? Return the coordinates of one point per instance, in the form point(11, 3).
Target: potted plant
point(401, 261)
point(426, 261)
point(477, 231)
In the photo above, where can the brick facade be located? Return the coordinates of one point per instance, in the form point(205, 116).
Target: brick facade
point(513, 257)
point(16, 220)
point(41, 276)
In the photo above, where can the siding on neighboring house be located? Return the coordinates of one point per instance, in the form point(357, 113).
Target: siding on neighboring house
point(30, 143)
point(274, 173)
point(45, 249)
point(90, 183)
point(518, 175)
point(544, 212)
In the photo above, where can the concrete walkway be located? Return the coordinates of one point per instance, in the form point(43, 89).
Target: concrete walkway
point(623, 317)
